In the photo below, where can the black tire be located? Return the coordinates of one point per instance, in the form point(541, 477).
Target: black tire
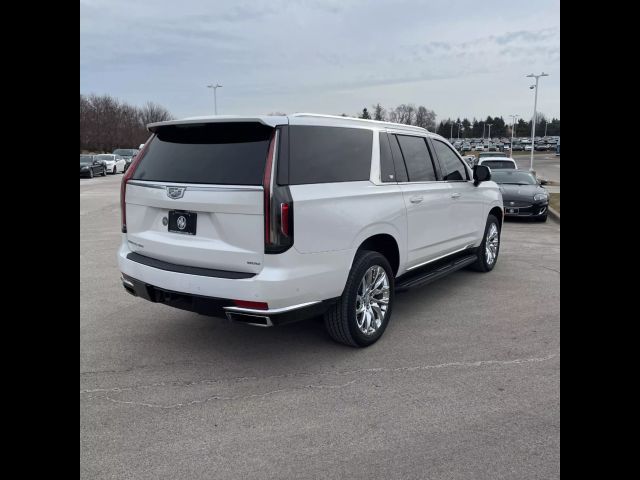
point(482, 264)
point(340, 319)
point(104, 171)
point(542, 218)
point(91, 173)
point(115, 170)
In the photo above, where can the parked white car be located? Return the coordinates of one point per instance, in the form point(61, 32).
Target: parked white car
point(114, 163)
point(272, 219)
point(498, 162)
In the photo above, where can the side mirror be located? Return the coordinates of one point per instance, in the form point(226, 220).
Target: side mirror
point(481, 173)
point(543, 181)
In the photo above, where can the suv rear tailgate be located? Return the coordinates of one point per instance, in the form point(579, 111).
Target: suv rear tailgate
point(218, 169)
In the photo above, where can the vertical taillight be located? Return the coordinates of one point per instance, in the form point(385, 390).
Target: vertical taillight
point(278, 204)
point(123, 185)
point(267, 183)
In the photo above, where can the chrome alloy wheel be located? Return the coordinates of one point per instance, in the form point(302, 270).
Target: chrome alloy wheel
point(372, 300)
point(491, 244)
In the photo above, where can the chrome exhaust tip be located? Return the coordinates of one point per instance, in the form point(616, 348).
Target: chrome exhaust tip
point(249, 319)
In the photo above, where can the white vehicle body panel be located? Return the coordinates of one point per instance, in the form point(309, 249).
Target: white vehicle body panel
point(330, 222)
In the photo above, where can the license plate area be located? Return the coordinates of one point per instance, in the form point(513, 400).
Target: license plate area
point(183, 222)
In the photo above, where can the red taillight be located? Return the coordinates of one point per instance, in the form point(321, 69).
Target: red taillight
point(266, 184)
point(284, 218)
point(123, 185)
point(250, 304)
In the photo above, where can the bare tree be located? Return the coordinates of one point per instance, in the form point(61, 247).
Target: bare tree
point(106, 123)
point(404, 113)
point(425, 118)
point(152, 112)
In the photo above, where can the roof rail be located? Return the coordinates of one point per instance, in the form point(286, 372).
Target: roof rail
point(364, 120)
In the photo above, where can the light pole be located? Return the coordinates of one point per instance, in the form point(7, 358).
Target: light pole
point(459, 130)
point(483, 125)
point(215, 99)
point(489, 135)
point(533, 120)
point(546, 122)
point(451, 134)
point(513, 125)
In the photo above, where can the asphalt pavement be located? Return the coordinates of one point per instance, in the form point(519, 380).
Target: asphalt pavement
point(463, 385)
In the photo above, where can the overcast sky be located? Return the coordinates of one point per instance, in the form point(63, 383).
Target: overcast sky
point(458, 58)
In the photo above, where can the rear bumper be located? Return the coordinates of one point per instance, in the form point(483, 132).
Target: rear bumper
point(287, 279)
point(224, 307)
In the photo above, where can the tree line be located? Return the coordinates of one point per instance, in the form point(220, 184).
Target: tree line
point(499, 128)
point(106, 123)
point(409, 114)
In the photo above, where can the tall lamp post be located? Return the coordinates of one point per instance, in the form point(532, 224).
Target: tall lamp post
point(489, 134)
point(215, 99)
point(459, 130)
point(513, 125)
point(533, 120)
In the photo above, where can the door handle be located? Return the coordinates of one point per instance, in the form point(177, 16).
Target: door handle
point(416, 199)
point(455, 195)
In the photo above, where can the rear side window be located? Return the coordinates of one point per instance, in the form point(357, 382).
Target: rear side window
point(451, 165)
point(401, 169)
point(213, 153)
point(387, 170)
point(417, 158)
point(329, 154)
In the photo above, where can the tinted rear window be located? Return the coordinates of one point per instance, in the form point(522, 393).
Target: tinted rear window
point(417, 158)
point(401, 169)
point(387, 170)
point(214, 153)
point(498, 164)
point(329, 154)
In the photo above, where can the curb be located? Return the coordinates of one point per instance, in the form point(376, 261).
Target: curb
point(554, 214)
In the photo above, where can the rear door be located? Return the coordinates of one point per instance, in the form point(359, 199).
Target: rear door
point(430, 231)
point(210, 175)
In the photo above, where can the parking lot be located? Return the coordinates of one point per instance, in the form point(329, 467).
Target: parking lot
point(546, 165)
point(464, 383)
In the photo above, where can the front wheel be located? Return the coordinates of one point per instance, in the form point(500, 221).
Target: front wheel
point(115, 169)
point(104, 171)
point(490, 246)
point(91, 173)
point(361, 315)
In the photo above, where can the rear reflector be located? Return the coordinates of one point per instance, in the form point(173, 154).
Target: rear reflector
point(249, 304)
point(284, 218)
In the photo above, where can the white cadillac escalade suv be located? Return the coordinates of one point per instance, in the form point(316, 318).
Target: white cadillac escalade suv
point(271, 219)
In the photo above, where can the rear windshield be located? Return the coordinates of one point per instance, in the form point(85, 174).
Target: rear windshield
point(213, 153)
point(498, 164)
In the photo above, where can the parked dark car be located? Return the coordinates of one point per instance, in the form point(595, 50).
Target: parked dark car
point(517, 147)
point(90, 166)
point(522, 195)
